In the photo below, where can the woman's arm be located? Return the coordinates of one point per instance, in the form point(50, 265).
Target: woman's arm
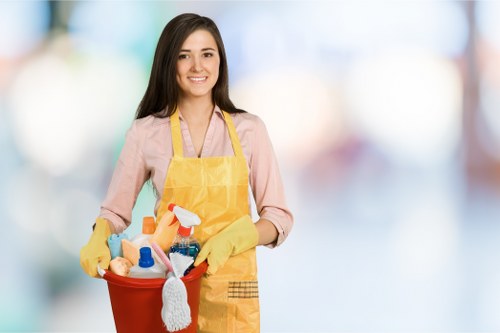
point(268, 234)
point(129, 176)
point(276, 220)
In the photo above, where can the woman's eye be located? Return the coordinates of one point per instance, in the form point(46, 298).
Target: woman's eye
point(208, 55)
point(183, 56)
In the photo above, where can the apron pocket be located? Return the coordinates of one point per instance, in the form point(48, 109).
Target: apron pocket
point(243, 306)
point(243, 289)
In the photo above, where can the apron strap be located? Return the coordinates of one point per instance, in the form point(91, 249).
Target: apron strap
point(235, 141)
point(175, 126)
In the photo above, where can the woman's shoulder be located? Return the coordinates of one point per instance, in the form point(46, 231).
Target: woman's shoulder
point(144, 128)
point(149, 124)
point(247, 119)
point(250, 128)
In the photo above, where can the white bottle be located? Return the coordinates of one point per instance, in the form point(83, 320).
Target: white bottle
point(146, 268)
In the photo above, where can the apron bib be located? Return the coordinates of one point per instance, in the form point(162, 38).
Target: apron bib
point(216, 188)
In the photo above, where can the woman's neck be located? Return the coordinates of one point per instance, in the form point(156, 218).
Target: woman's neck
point(196, 108)
point(197, 114)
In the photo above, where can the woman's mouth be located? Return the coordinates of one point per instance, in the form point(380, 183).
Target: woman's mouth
point(198, 79)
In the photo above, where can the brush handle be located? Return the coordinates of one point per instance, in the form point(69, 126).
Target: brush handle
point(163, 257)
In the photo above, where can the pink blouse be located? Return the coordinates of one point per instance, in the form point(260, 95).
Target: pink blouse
point(148, 150)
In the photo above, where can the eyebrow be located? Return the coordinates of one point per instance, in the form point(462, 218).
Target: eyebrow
point(204, 49)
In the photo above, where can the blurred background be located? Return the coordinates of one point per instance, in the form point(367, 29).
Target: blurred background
point(384, 116)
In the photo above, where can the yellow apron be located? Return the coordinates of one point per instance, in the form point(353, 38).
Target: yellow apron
point(216, 188)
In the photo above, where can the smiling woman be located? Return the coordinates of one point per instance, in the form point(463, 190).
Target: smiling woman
point(184, 44)
point(201, 153)
point(198, 65)
point(197, 74)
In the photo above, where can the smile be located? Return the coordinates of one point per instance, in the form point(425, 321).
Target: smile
point(198, 79)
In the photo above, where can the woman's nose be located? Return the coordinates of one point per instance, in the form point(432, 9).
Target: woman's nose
point(196, 66)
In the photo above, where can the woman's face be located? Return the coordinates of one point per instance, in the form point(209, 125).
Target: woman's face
point(198, 65)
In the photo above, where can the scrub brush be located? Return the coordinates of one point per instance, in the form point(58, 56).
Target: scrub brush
point(175, 312)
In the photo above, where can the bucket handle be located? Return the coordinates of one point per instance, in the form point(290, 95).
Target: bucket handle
point(101, 271)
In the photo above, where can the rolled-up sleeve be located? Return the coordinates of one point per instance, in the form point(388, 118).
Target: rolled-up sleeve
point(267, 185)
point(129, 176)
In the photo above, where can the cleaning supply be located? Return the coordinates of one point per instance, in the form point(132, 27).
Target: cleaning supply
point(148, 229)
point(165, 231)
point(175, 312)
point(137, 303)
point(238, 237)
point(115, 244)
point(184, 242)
point(130, 251)
point(180, 263)
point(144, 238)
point(96, 251)
point(185, 217)
point(146, 267)
point(162, 257)
point(120, 266)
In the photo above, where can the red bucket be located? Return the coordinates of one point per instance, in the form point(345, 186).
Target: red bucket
point(137, 303)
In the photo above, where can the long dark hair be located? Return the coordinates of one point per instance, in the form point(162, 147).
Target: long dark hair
point(162, 93)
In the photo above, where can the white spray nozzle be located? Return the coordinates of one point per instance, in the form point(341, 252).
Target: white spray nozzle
point(186, 218)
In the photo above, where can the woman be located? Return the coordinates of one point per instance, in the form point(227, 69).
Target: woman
point(201, 153)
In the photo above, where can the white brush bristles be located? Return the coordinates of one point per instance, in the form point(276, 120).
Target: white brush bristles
point(175, 312)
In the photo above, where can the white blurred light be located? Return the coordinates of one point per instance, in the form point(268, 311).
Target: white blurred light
point(81, 308)
point(358, 26)
point(299, 109)
point(45, 212)
point(488, 23)
point(23, 291)
point(408, 102)
point(29, 198)
point(274, 44)
point(23, 24)
point(46, 114)
point(71, 217)
point(425, 239)
point(61, 105)
point(326, 30)
point(489, 294)
point(99, 25)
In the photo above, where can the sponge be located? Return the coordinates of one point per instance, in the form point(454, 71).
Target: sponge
point(120, 266)
point(130, 251)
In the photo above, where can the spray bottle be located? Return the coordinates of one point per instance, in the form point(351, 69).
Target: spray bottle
point(184, 242)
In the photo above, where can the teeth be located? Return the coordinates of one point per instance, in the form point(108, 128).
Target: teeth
point(197, 78)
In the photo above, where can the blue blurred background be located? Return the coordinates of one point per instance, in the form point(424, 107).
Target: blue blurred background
point(384, 116)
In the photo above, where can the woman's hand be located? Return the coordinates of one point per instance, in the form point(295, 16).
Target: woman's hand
point(239, 236)
point(96, 251)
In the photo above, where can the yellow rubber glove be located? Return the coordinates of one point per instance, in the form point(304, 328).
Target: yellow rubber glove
point(239, 236)
point(96, 251)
